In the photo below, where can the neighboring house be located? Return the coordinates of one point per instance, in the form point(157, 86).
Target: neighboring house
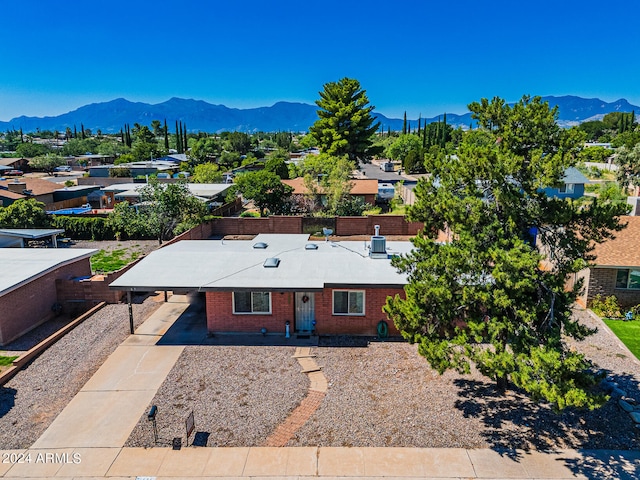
point(28, 287)
point(365, 189)
point(137, 168)
point(130, 192)
point(14, 163)
point(572, 186)
point(51, 194)
point(27, 187)
point(324, 287)
point(91, 160)
point(617, 267)
point(16, 237)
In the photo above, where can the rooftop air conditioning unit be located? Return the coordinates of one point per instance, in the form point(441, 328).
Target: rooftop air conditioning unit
point(378, 245)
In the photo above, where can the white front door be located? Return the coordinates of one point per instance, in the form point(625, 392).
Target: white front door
point(305, 311)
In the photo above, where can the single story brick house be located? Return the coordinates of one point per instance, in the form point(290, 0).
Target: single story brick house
point(616, 270)
point(327, 288)
point(28, 287)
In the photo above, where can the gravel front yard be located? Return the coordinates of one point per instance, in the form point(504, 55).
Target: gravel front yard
point(381, 395)
point(239, 395)
point(32, 399)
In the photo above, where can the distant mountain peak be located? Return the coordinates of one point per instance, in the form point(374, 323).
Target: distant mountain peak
point(200, 115)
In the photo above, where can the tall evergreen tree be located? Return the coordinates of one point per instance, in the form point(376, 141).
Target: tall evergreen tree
point(166, 136)
point(424, 136)
point(491, 296)
point(444, 131)
point(185, 139)
point(419, 122)
point(82, 131)
point(345, 125)
point(404, 123)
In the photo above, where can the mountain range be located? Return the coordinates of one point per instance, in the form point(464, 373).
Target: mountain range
point(198, 115)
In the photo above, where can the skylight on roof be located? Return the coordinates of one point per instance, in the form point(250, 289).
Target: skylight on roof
point(260, 245)
point(271, 263)
point(311, 246)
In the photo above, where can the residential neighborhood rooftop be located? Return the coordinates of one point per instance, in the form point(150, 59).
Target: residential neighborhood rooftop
point(236, 265)
point(21, 265)
point(37, 186)
point(623, 250)
point(359, 187)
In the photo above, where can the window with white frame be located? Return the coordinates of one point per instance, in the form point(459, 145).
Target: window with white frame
point(348, 302)
point(628, 278)
point(252, 302)
point(566, 188)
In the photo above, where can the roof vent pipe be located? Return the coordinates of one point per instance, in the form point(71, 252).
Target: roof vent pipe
point(377, 229)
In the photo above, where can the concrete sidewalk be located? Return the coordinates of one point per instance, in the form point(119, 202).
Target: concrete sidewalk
point(318, 462)
point(108, 407)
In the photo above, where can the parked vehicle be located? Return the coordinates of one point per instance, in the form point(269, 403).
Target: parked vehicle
point(62, 168)
point(386, 166)
point(13, 173)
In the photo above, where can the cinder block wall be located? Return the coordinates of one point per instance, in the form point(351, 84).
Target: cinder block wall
point(30, 305)
point(220, 317)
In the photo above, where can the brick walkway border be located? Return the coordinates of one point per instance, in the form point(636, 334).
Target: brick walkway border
point(302, 413)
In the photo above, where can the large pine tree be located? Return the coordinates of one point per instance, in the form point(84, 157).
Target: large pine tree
point(495, 295)
point(345, 125)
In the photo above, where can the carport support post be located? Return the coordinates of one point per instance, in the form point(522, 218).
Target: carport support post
point(166, 297)
point(130, 312)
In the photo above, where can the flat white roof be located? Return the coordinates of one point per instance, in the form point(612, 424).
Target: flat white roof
point(196, 189)
point(235, 265)
point(22, 265)
point(30, 233)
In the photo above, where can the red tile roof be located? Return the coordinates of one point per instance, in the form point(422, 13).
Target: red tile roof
point(359, 187)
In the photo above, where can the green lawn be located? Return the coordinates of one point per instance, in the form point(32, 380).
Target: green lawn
point(5, 361)
point(111, 261)
point(628, 332)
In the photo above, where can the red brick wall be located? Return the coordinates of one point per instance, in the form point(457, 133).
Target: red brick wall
point(603, 281)
point(375, 298)
point(220, 317)
point(30, 305)
point(389, 225)
point(78, 296)
point(254, 226)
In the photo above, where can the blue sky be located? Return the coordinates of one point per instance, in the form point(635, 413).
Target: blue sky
point(424, 57)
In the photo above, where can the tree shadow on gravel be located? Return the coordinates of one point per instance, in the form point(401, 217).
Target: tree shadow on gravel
point(605, 464)
point(513, 421)
point(7, 400)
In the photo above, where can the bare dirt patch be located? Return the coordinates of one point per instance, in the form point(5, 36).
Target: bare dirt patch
point(143, 246)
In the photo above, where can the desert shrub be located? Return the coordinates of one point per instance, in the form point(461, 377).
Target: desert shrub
point(606, 306)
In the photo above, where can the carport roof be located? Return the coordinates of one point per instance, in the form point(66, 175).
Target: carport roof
point(23, 265)
point(207, 265)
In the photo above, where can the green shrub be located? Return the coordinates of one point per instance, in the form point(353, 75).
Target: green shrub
point(248, 213)
point(84, 228)
point(606, 306)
